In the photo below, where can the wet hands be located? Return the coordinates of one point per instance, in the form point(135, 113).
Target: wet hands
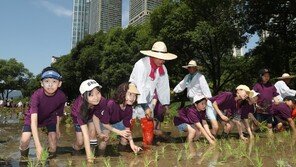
point(224, 118)
point(135, 148)
point(39, 152)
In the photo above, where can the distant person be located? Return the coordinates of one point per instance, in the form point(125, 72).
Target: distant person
point(196, 84)
point(86, 104)
point(282, 86)
point(45, 110)
point(150, 76)
point(117, 117)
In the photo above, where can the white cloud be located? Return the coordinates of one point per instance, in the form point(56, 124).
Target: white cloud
point(55, 8)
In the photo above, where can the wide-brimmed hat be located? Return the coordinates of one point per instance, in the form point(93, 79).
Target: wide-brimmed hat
point(192, 63)
point(244, 87)
point(88, 85)
point(253, 94)
point(159, 50)
point(286, 76)
point(133, 89)
point(198, 98)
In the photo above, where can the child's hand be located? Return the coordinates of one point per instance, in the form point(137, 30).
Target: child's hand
point(224, 118)
point(103, 136)
point(148, 113)
point(125, 133)
point(39, 152)
point(135, 148)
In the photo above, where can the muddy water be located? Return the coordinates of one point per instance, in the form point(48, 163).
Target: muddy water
point(277, 150)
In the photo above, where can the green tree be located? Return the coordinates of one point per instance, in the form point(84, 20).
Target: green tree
point(202, 30)
point(13, 76)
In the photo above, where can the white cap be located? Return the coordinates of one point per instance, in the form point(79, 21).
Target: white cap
point(253, 94)
point(198, 97)
point(88, 85)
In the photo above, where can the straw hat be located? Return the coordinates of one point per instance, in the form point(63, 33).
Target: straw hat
point(133, 89)
point(159, 50)
point(286, 76)
point(192, 63)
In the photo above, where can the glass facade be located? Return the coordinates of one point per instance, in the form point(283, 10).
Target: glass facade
point(140, 10)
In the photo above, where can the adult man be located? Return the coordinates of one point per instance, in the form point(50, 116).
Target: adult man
point(283, 88)
point(151, 77)
point(197, 85)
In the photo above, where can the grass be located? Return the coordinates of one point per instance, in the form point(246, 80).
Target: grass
point(147, 162)
point(121, 163)
point(258, 160)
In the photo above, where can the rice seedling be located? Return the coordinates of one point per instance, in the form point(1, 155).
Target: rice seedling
point(69, 162)
point(179, 157)
point(258, 159)
point(121, 163)
point(281, 163)
point(147, 162)
point(32, 163)
point(163, 149)
point(44, 156)
point(106, 162)
point(156, 156)
point(83, 163)
point(174, 146)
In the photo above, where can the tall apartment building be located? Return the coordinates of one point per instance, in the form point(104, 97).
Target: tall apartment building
point(140, 9)
point(91, 16)
point(105, 14)
point(80, 20)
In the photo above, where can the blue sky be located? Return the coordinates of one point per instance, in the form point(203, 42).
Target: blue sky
point(32, 31)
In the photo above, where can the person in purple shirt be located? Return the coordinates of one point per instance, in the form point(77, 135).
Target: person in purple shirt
point(282, 113)
point(225, 107)
point(83, 109)
point(45, 110)
point(192, 119)
point(117, 116)
point(268, 95)
point(247, 109)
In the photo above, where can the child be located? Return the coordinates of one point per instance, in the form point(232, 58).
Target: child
point(225, 105)
point(45, 109)
point(247, 109)
point(268, 95)
point(117, 116)
point(83, 109)
point(282, 113)
point(192, 120)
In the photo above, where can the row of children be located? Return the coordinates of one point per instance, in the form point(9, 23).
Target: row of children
point(148, 85)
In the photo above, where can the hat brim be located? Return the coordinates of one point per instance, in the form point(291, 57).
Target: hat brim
point(159, 55)
point(287, 77)
point(189, 66)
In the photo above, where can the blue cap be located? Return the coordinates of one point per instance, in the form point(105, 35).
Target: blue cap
point(51, 74)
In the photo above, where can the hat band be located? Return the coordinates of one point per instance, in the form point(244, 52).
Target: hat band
point(158, 51)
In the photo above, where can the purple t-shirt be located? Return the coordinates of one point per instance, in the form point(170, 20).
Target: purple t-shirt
point(267, 92)
point(282, 110)
point(225, 101)
point(75, 113)
point(245, 109)
point(189, 115)
point(46, 107)
point(114, 114)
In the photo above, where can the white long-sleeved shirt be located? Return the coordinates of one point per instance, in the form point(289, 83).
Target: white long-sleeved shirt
point(147, 86)
point(284, 90)
point(197, 86)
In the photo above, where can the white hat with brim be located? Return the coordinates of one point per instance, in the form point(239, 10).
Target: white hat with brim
point(88, 85)
point(192, 63)
point(159, 50)
point(244, 87)
point(198, 98)
point(286, 76)
point(253, 94)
